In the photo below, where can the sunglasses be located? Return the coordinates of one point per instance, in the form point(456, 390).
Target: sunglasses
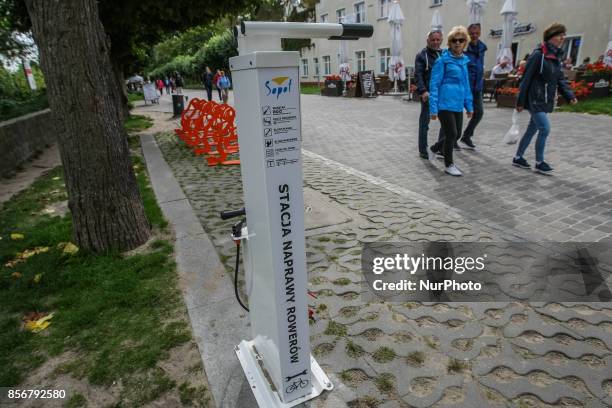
point(458, 40)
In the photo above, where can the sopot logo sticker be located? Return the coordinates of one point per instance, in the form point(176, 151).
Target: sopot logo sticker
point(278, 86)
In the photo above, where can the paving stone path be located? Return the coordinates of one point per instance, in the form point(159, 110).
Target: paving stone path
point(418, 354)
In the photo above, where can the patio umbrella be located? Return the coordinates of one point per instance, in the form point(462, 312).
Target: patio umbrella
point(343, 55)
point(436, 21)
point(509, 13)
point(476, 10)
point(608, 54)
point(396, 63)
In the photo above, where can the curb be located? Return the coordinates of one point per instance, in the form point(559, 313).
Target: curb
point(218, 322)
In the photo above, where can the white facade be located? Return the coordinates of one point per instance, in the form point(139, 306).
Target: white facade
point(587, 22)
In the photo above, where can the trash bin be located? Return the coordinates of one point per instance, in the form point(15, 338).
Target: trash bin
point(178, 104)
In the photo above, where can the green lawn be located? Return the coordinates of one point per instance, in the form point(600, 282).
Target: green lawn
point(310, 89)
point(597, 106)
point(136, 123)
point(120, 315)
point(135, 96)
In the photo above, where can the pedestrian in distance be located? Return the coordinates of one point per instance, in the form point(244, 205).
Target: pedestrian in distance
point(172, 84)
point(475, 51)
point(207, 81)
point(423, 64)
point(537, 94)
point(167, 85)
point(178, 80)
point(223, 83)
point(450, 94)
point(215, 81)
point(159, 84)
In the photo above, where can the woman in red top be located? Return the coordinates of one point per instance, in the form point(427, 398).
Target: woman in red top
point(215, 80)
point(160, 86)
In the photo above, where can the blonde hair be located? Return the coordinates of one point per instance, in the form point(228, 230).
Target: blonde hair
point(457, 31)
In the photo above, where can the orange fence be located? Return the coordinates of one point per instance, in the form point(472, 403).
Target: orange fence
point(209, 128)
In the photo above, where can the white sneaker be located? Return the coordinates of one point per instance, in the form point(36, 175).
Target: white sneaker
point(453, 171)
point(431, 155)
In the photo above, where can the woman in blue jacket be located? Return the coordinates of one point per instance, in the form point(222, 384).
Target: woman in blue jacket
point(537, 94)
point(450, 94)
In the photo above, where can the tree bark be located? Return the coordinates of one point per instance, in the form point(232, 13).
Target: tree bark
point(123, 106)
point(104, 200)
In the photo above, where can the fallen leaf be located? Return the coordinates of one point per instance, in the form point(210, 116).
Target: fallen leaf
point(35, 325)
point(70, 248)
point(37, 277)
point(48, 211)
point(16, 275)
point(55, 178)
point(16, 236)
point(22, 256)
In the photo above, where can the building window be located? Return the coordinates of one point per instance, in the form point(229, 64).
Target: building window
point(384, 54)
point(383, 8)
point(360, 58)
point(571, 48)
point(340, 14)
point(305, 67)
point(326, 65)
point(315, 62)
point(323, 18)
point(436, 3)
point(360, 12)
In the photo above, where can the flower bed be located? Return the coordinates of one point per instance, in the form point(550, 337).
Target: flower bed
point(506, 97)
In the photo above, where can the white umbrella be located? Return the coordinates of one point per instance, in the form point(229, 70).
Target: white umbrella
point(396, 63)
point(608, 54)
point(343, 55)
point(509, 13)
point(436, 21)
point(476, 10)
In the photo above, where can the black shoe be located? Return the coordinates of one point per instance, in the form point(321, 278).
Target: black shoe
point(424, 156)
point(520, 162)
point(456, 146)
point(466, 143)
point(543, 168)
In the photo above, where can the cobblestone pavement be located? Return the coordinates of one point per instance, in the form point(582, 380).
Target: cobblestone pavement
point(379, 137)
point(420, 354)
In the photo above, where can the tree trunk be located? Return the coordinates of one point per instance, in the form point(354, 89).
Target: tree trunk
point(106, 206)
point(123, 106)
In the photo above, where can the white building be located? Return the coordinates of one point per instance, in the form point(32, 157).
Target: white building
point(587, 22)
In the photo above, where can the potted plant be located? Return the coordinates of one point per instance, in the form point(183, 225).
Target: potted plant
point(506, 97)
point(333, 86)
point(599, 74)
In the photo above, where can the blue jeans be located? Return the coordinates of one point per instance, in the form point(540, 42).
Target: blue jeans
point(424, 128)
point(539, 122)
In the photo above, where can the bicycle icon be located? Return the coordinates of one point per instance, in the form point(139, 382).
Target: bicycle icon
point(299, 383)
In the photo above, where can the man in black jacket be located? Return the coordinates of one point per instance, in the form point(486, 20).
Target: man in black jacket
point(423, 65)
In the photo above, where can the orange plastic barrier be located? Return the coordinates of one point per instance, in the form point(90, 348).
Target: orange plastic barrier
point(209, 128)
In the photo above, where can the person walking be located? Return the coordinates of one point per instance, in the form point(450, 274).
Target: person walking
point(223, 84)
point(215, 81)
point(423, 65)
point(168, 85)
point(537, 93)
point(160, 86)
point(207, 80)
point(178, 81)
point(450, 94)
point(476, 53)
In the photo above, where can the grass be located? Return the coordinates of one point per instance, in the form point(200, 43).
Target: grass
point(354, 350)
point(597, 106)
point(116, 313)
point(137, 123)
point(310, 90)
point(457, 366)
point(385, 382)
point(135, 96)
point(416, 358)
point(335, 329)
point(384, 355)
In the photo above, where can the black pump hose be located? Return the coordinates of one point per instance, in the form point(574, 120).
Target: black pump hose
point(236, 277)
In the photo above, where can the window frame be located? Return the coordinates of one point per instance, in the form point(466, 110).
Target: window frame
point(357, 60)
point(323, 18)
point(326, 64)
point(363, 12)
point(304, 64)
point(338, 17)
point(387, 57)
point(383, 9)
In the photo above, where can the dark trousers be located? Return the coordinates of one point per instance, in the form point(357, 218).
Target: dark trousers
point(208, 92)
point(478, 113)
point(452, 123)
point(424, 128)
point(220, 97)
